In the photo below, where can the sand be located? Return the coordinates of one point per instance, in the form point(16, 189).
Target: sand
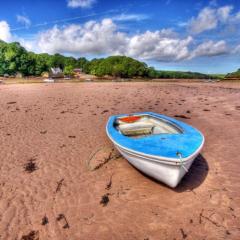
point(61, 179)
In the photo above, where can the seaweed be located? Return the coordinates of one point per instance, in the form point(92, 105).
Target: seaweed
point(33, 235)
point(11, 102)
point(59, 185)
point(109, 185)
point(105, 200)
point(184, 235)
point(45, 220)
point(62, 217)
point(182, 116)
point(30, 166)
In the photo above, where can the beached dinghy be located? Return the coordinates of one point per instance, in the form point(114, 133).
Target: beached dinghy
point(157, 145)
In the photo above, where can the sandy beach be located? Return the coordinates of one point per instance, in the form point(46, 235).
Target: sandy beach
point(58, 169)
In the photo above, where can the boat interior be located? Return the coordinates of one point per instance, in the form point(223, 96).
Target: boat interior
point(137, 126)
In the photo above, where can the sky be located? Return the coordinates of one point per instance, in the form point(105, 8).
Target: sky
point(187, 35)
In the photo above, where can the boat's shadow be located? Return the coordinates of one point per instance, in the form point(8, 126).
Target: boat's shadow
point(195, 176)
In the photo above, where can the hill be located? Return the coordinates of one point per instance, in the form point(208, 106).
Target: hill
point(233, 75)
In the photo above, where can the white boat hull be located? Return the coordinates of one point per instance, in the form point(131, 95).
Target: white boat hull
point(167, 172)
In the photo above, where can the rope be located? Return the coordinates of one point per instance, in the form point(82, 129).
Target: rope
point(181, 162)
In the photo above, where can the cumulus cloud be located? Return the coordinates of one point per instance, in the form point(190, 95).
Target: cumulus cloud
point(104, 37)
point(159, 45)
point(209, 18)
point(24, 20)
point(92, 37)
point(210, 48)
point(80, 3)
point(5, 33)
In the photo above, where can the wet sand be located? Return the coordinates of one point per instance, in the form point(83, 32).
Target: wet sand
point(61, 179)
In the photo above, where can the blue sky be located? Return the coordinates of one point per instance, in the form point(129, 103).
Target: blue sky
point(167, 34)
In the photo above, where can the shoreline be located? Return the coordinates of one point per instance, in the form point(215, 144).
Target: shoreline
point(30, 80)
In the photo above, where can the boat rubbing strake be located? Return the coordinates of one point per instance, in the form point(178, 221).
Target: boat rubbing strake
point(159, 146)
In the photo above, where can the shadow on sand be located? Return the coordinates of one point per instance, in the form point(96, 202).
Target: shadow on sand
point(195, 176)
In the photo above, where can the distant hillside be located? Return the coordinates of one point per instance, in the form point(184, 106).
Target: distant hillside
point(16, 59)
point(179, 75)
point(233, 75)
point(218, 76)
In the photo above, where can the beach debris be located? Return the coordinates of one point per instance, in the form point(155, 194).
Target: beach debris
point(109, 185)
point(104, 111)
point(33, 235)
point(184, 235)
point(62, 217)
point(100, 157)
point(181, 116)
point(43, 132)
point(206, 110)
point(30, 166)
point(45, 220)
point(11, 102)
point(59, 185)
point(105, 199)
point(207, 218)
point(71, 136)
point(227, 232)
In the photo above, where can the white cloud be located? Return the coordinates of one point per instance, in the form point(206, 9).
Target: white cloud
point(223, 13)
point(92, 37)
point(5, 33)
point(130, 17)
point(24, 20)
point(237, 49)
point(96, 38)
point(209, 18)
point(206, 20)
point(159, 45)
point(80, 3)
point(105, 38)
point(236, 18)
point(210, 48)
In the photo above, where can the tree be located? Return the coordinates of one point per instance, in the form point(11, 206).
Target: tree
point(68, 70)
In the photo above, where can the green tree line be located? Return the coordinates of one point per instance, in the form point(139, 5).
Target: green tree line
point(14, 58)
